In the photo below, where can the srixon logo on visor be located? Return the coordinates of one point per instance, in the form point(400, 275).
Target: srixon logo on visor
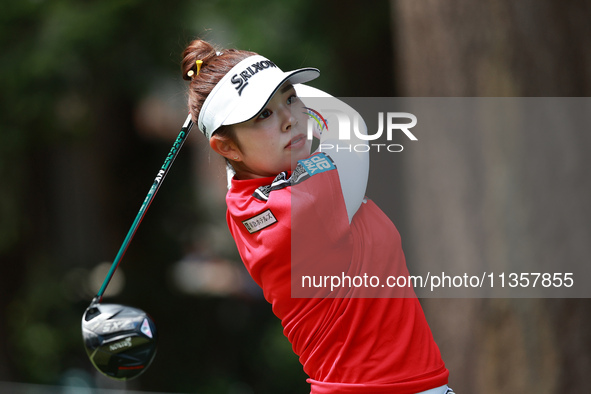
point(240, 80)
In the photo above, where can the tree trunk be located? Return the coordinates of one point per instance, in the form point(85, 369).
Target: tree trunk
point(525, 199)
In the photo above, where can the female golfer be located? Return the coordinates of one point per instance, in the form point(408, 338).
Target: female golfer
point(291, 217)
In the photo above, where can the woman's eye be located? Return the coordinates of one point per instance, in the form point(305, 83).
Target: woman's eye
point(292, 99)
point(265, 114)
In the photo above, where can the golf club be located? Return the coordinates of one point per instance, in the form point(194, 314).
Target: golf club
point(120, 340)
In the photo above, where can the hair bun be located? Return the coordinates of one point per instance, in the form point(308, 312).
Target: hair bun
point(197, 51)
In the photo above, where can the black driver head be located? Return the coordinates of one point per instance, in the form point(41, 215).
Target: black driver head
point(120, 340)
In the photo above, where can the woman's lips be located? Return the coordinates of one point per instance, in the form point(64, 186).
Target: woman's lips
point(296, 142)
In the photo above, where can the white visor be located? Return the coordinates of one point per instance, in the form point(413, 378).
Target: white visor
point(245, 91)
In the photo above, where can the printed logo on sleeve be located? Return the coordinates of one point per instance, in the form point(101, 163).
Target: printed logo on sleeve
point(260, 221)
point(317, 164)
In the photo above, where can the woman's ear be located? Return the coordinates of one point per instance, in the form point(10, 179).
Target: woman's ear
point(225, 147)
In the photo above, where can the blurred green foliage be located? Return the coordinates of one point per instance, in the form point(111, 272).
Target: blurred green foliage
point(75, 169)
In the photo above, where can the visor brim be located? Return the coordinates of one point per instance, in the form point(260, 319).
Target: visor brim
point(256, 101)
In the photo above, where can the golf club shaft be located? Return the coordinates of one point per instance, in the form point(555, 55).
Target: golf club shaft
point(176, 147)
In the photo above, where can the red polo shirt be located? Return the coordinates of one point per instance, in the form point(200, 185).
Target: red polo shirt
point(350, 339)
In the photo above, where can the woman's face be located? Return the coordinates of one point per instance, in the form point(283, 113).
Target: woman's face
point(275, 139)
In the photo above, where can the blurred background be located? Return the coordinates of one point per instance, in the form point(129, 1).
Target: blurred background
point(91, 100)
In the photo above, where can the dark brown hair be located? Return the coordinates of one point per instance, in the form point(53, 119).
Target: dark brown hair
point(213, 69)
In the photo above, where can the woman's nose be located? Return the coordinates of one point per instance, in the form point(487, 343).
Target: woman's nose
point(288, 119)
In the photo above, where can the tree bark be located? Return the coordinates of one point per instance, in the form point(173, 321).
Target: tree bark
point(523, 200)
